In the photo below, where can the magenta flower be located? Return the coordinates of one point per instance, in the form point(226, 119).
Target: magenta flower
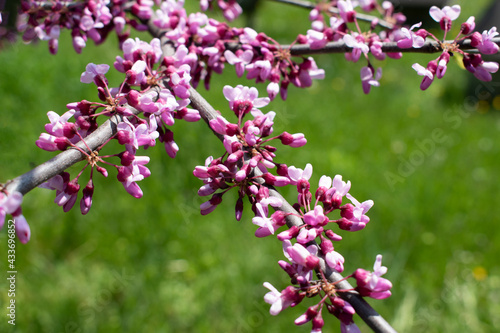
point(86, 201)
point(243, 100)
point(263, 221)
point(346, 10)
point(445, 16)
point(281, 300)
point(481, 69)
point(131, 174)
point(469, 25)
point(298, 254)
point(316, 39)
point(316, 217)
point(293, 140)
point(411, 39)
point(358, 45)
point(9, 204)
point(427, 73)
point(297, 175)
point(488, 46)
point(92, 71)
point(239, 60)
point(372, 284)
point(369, 79)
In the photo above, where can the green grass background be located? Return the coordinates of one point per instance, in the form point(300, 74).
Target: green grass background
point(156, 265)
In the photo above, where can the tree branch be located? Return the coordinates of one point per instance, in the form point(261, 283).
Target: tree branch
point(64, 160)
point(430, 46)
point(67, 158)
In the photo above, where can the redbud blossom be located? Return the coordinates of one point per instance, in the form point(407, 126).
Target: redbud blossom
point(445, 16)
point(281, 300)
point(93, 72)
point(346, 10)
point(427, 73)
point(372, 284)
point(488, 46)
point(369, 78)
point(11, 204)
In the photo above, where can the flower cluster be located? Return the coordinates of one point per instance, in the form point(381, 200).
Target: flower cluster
point(304, 255)
point(246, 165)
point(162, 97)
point(91, 19)
point(206, 45)
point(230, 8)
point(363, 43)
point(247, 147)
point(201, 42)
point(472, 62)
point(369, 284)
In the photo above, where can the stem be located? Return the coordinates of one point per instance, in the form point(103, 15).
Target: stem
point(333, 10)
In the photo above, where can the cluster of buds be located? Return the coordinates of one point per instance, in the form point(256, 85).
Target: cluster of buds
point(246, 165)
point(371, 42)
point(472, 62)
point(201, 42)
point(313, 243)
point(247, 147)
point(162, 97)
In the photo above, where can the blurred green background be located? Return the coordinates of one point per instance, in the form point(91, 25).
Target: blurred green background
point(156, 265)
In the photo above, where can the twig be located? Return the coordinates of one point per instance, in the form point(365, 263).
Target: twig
point(430, 46)
point(333, 10)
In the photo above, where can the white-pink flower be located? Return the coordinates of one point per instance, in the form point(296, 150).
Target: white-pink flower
point(445, 16)
point(92, 70)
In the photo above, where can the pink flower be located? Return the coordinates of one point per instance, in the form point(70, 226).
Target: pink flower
point(297, 175)
point(346, 10)
point(293, 140)
point(298, 254)
point(411, 39)
point(67, 197)
point(51, 143)
point(488, 46)
point(468, 26)
point(92, 70)
point(353, 217)
point(9, 204)
point(243, 100)
point(372, 284)
point(443, 60)
point(239, 60)
point(316, 39)
point(358, 45)
point(259, 70)
point(334, 259)
point(263, 221)
point(281, 300)
point(427, 73)
point(369, 79)
point(481, 69)
point(59, 125)
point(445, 16)
point(315, 217)
point(131, 174)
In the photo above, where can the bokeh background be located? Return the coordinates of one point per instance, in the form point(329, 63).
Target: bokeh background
point(156, 265)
